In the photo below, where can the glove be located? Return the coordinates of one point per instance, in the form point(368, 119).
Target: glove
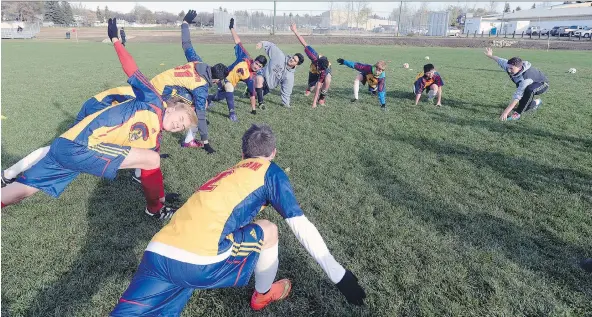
point(112, 29)
point(208, 148)
point(231, 25)
point(340, 61)
point(349, 287)
point(190, 16)
point(165, 155)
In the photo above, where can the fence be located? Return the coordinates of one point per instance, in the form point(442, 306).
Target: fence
point(28, 32)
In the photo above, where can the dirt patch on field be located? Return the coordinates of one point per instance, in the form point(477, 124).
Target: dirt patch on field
point(173, 36)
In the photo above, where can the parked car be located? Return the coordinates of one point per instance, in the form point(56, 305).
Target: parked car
point(570, 30)
point(555, 30)
point(585, 33)
point(453, 32)
point(378, 29)
point(535, 30)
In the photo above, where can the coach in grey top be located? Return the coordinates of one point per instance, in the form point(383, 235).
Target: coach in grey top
point(278, 72)
point(529, 82)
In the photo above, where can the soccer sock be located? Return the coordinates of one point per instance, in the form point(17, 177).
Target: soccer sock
point(356, 88)
point(153, 186)
point(189, 137)
point(322, 94)
point(266, 268)
point(3, 205)
point(230, 101)
point(26, 162)
point(138, 172)
point(259, 95)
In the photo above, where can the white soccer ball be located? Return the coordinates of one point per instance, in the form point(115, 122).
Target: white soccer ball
point(405, 65)
point(572, 70)
point(427, 57)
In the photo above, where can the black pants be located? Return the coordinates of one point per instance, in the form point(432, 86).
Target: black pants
point(527, 101)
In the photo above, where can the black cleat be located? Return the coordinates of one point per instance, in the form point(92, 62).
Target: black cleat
point(262, 106)
point(163, 214)
point(354, 100)
point(6, 181)
point(253, 111)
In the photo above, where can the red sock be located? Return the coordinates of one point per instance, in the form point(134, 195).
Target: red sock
point(152, 183)
point(3, 205)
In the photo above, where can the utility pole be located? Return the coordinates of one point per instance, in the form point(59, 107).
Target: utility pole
point(273, 26)
point(399, 22)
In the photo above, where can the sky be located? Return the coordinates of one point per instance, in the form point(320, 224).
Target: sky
point(176, 7)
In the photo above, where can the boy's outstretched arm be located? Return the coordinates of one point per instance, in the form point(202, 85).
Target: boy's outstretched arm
point(233, 32)
point(188, 49)
point(295, 31)
point(502, 62)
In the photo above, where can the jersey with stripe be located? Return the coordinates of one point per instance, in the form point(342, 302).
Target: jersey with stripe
point(314, 56)
point(373, 81)
point(240, 70)
point(183, 81)
point(136, 122)
point(421, 82)
point(204, 225)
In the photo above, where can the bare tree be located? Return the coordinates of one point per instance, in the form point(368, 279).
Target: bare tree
point(492, 7)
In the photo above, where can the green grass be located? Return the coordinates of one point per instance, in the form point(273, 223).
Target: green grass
point(439, 211)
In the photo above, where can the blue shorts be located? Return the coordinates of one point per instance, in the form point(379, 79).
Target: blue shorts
point(66, 159)
point(162, 286)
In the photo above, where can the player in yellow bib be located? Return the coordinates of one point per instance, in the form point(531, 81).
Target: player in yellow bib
point(213, 240)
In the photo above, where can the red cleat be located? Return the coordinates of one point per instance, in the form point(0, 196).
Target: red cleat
point(279, 290)
point(192, 144)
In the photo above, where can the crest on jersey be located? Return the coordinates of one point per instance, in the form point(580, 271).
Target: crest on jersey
point(139, 130)
point(253, 233)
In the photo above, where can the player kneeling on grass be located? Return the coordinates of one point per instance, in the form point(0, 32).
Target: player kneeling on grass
point(529, 82)
point(213, 242)
point(123, 136)
point(430, 80)
point(243, 69)
point(374, 75)
point(319, 76)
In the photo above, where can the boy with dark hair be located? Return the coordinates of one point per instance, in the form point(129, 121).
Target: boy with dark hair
point(122, 136)
point(319, 76)
point(243, 69)
point(374, 75)
point(529, 82)
point(214, 241)
point(431, 80)
point(279, 72)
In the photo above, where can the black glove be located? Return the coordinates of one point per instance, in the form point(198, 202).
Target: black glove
point(208, 148)
point(349, 287)
point(112, 29)
point(231, 25)
point(171, 197)
point(165, 155)
point(340, 61)
point(190, 16)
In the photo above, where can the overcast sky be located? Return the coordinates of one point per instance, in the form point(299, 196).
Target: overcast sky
point(176, 7)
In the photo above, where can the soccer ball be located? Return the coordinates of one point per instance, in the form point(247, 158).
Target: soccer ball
point(572, 71)
point(405, 65)
point(427, 57)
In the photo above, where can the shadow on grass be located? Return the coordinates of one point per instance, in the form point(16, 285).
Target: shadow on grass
point(583, 144)
point(534, 249)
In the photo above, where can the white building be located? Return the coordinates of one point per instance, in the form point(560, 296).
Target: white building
point(545, 18)
point(343, 20)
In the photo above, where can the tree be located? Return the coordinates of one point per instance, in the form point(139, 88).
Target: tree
point(99, 15)
point(492, 7)
point(518, 8)
point(363, 11)
point(181, 14)
point(533, 6)
point(67, 14)
point(107, 14)
point(507, 7)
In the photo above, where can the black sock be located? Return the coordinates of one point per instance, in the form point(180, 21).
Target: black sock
point(259, 92)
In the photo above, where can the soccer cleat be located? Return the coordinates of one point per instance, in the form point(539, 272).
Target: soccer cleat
point(586, 265)
point(383, 107)
point(192, 144)
point(278, 291)
point(515, 116)
point(307, 93)
point(163, 214)
point(233, 117)
point(137, 178)
point(262, 106)
point(354, 100)
point(537, 104)
point(6, 181)
point(253, 112)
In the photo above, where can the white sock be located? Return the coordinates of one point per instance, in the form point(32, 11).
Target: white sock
point(189, 136)
point(537, 101)
point(266, 268)
point(26, 162)
point(356, 88)
point(138, 172)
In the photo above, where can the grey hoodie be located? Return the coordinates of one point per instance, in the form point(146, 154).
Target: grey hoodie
point(526, 76)
point(277, 72)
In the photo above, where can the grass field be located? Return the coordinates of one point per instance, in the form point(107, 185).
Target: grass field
point(439, 211)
